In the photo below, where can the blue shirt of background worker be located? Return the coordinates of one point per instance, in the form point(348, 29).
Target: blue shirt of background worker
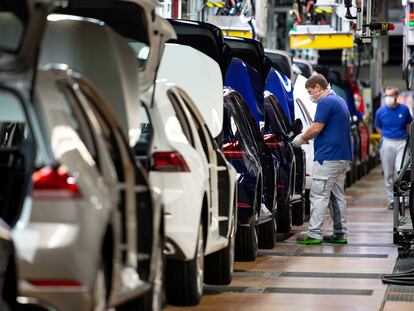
point(334, 142)
point(393, 121)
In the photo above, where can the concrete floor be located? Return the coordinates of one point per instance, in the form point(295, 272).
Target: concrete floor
point(322, 277)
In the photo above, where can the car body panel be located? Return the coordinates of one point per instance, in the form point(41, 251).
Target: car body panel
point(280, 87)
point(249, 169)
point(302, 106)
point(282, 62)
point(182, 192)
point(246, 81)
point(134, 20)
point(82, 39)
point(205, 87)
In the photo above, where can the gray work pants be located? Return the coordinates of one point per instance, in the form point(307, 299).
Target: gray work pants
point(392, 151)
point(328, 192)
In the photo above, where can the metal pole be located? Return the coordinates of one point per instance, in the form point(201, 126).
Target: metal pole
point(368, 16)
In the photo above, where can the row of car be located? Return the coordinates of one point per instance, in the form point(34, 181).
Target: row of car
point(139, 154)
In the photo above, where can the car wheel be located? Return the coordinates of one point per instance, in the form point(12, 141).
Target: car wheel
point(184, 279)
point(298, 213)
point(267, 234)
point(99, 290)
point(219, 266)
point(307, 205)
point(283, 218)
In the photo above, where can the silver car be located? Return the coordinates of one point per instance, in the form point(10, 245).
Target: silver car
point(89, 235)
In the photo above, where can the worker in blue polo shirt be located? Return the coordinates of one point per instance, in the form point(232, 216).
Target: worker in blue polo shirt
point(333, 153)
point(392, 121)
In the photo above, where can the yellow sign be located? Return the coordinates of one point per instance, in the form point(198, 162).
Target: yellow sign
point(214, 5)
point(237, 33)
point(332, 41)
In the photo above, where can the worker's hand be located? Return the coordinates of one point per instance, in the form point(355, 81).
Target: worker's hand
point(298, 141)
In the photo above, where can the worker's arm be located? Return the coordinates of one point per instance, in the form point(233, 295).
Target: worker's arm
point(310, 133)
point(379, 131)
point(313, 131)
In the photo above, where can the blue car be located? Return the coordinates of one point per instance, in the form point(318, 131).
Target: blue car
point(252, 53)
point(208, 39)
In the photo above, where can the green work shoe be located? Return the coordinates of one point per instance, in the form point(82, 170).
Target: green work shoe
point(304, 239)
point(335, 240)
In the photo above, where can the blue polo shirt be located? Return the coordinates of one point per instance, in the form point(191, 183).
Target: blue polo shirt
point(334, 141)
point(393, 122)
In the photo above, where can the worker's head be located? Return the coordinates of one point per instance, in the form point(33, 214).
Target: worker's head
point(317, 86)
point(391, 94)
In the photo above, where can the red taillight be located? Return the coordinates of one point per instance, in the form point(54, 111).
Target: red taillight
point(243, 204)
point(271, 141)
point(54, 183)
point(280, 186)
point(169, 161)
point(64, 283)
point(232, 150)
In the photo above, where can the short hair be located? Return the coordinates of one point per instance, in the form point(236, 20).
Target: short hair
point(393, 88)
point(316, 79)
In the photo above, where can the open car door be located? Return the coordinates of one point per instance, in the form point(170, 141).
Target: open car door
point(22, 24)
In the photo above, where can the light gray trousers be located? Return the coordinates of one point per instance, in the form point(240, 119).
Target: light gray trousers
point(392, 151)
point(328, 192)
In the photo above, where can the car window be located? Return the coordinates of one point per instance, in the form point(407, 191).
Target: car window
point(273, 124)
point(107, 131)
point(142, 51)
point(280, 114)
point(13, 124)
point(240, 121)
point(202, 133)
point(11, 25)
point(179, 112)
point(253, 128)
point(77, 119)
point(304, 111)
point(146, 130)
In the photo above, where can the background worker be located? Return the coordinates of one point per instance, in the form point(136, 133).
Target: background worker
point(331, 130)
point(392, 121)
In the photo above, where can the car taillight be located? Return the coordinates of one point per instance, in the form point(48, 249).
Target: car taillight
point(271, 141)
point(54, 183)
point(232, 150)
point(169, 161)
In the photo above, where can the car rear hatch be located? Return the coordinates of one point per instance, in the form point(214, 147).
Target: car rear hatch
point(200, 76)
point(22, 24)
point(136, 21)
point(204, 37)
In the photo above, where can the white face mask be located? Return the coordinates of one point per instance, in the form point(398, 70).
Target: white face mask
point(389, 100)
point(312, 97)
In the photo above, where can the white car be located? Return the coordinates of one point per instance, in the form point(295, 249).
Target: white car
point(199, 110)
point(305, 110)
point(88, 235)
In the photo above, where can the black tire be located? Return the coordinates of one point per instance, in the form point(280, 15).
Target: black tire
point(348, 182)
point(307, 204)
point(184, 279)
point(246, 243)
point(353, 174)
point(267, 234)
point(283, 218)
point(219, 266)
point(298, 213)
